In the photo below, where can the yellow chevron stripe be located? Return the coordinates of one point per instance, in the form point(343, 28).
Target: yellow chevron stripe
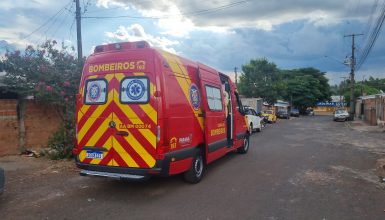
point(137, 146)
point(148, 109)
point(99, 132)
point(134, 119)
point(125, 156)
point(177, 68)
point(82, 111)
point(95, 115)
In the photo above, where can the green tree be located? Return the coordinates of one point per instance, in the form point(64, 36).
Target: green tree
point(260, 78)
point(306, 87)
point(49, 73)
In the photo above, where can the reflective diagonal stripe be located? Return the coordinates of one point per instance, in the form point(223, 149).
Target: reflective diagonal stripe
point(128, 160)
point(145, 136)
point(102, 129)
point(131, 142)
point(92, 118)
point(178, 67)
point(82, 111)
point(138, 148)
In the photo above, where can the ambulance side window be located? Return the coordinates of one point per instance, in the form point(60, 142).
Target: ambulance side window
point(135, 90)
point(95, 92)
point(214, 98)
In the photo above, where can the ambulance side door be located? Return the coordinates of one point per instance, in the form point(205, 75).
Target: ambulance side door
point(215, 120)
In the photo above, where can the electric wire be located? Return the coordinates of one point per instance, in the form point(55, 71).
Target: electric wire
point(372, 39)
point(193, 13)
point(46, 22)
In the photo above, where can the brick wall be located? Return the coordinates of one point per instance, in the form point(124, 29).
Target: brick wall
point(9, 132)
point(370, 114)
point(40, 122)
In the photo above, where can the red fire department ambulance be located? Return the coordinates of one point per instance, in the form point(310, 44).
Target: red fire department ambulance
point(143, 111)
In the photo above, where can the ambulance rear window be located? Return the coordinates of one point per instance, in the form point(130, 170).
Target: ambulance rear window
point(135, 90)
point(95, 92)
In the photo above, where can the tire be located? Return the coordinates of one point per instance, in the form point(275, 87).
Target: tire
point(197, 169)
point(246, 145)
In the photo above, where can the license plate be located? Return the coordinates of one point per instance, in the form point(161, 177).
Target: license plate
point(94, 155)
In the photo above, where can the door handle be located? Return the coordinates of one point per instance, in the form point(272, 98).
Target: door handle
point(122, 133)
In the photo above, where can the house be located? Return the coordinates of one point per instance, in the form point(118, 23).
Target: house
point(371, 108)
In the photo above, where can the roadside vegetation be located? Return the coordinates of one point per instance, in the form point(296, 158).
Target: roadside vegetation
point(369, 86)
point(50, 73)
point(303, 87)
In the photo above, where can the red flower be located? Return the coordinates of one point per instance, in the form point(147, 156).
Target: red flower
point(62, 93)
point(49, 88)
point(67, 83)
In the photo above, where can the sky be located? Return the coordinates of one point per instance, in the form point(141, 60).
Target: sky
point(220, 33)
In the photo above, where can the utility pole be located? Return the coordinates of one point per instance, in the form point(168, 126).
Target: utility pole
point(79, 30)
point(236, 76)
point(352, 69)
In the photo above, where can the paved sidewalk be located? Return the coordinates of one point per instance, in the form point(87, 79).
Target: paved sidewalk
point(360, 125)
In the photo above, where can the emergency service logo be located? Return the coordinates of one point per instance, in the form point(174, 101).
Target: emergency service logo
point(135, 89)
point(94, 92)
point(195, 97)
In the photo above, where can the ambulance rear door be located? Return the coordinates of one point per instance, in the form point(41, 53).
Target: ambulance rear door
point(94, 117)
point(135, 115)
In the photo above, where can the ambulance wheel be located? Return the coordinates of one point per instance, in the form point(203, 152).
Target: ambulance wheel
point(245, 146)
point(195, 173)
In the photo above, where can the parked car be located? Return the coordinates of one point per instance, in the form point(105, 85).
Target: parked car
point(294, 112)
point(270, 115)
point(341, 115)
point(2, 180)
point(253, 120)
point(283, 113)
point(310, 112)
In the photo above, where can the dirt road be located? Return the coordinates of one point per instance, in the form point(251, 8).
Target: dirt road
point(304, 168)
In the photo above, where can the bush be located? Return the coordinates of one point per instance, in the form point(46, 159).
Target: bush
point(59, 145)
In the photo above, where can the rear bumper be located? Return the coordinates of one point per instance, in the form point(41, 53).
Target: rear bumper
point(113, 175)
point(162, 167)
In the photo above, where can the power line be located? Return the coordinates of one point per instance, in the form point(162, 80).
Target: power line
point(373, 38)
point(47, 21)
point(193, 13)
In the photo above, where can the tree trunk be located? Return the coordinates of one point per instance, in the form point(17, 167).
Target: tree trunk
point(21, 116)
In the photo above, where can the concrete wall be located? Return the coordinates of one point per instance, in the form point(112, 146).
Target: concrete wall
point(40, 122)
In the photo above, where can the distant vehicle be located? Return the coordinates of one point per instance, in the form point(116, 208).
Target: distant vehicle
point(294, 112)
point(283, 113)
point(254, 122)
point(310, 112)
point(2, 180)
point(270, 115)
point(254, 103)
point(341, 115)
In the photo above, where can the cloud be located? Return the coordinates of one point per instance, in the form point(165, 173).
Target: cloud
point(136, 32)
point(263, 14)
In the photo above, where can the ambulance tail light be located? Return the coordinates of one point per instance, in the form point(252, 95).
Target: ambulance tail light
point(157, 134)
point(160, 148)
